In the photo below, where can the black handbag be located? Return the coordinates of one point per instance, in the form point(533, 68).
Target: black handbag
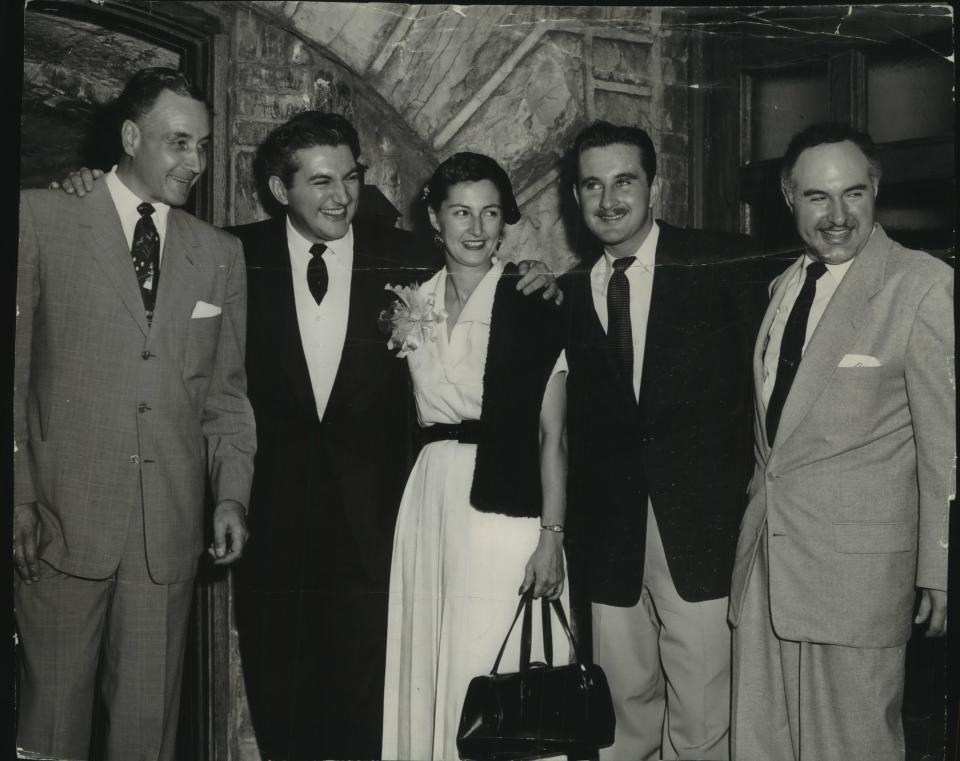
point(540, 710)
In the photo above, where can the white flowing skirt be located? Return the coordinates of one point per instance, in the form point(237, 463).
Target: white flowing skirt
point(454, 580)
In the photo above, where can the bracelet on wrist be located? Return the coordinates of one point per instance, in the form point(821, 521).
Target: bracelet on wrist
point(556, 528)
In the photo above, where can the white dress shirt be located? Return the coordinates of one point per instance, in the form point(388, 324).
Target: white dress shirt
point(127, 202)
point(323, 326)
point(640, 277)
point(826, 286)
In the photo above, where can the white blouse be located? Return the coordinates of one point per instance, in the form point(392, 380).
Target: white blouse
point(447, 371)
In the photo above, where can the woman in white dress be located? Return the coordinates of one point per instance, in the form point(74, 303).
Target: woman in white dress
point(457, 568)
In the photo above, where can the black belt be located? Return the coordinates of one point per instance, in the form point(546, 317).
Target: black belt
point(467, 432)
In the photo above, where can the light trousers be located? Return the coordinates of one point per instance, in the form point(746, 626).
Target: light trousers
point(802, 701)
point(132, 629)
point(668, 664)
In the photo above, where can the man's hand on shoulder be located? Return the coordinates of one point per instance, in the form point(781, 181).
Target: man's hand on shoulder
point(78, 183)
point(534, 275)
point(933, 609)
point(229, 532)
point(27, 541)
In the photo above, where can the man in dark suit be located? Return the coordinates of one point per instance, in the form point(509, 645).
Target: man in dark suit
point(333, 406)
point(660, 449)
point(129, 393)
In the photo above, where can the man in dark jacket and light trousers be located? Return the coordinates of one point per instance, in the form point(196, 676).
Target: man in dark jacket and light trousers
point(660, 448)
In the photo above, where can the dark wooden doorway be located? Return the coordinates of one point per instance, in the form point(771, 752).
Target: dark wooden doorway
point(77, 56)
point(766, 73)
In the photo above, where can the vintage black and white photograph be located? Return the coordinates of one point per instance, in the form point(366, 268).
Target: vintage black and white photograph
point(482, 382)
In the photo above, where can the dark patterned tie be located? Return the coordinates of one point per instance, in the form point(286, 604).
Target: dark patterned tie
point(146, 257)
point(791, 347)
point(317, 276)
point(619, 332)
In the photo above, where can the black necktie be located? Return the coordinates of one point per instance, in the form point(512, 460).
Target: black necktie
point(317, 276)
point(146, 256)
point(619, 332)
point(791, 347)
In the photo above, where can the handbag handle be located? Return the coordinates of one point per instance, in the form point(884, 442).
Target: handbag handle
point(562, 617)
point(547, 631)
point(525, 604)
point(526, 634)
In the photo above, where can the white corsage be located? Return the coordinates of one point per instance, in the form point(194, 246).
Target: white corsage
point(411, 319)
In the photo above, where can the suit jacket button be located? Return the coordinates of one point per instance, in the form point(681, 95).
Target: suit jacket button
point(145, 355)
point(142, 407)
point(135, 459)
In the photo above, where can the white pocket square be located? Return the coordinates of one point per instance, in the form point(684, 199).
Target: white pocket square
point(203, 309)
point(859, 360)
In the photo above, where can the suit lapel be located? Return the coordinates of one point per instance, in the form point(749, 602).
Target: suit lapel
point(760, 348)
point(273, 332)
point(366, 297)
point(102, 227)
point(366, 300)
point(664, 340)
point(842, 320)
point(177, 269)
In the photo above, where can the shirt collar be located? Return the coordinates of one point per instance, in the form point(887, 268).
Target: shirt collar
point(127, 201)
point(836, 271)
point(646, 254)
point(342, 248)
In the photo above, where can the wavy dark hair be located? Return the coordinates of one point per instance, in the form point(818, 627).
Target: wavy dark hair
point(471, 167)
point(275, 156)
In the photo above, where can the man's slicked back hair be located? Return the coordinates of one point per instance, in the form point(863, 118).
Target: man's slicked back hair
point(824, 133)
point(601, 134)
point(143, 88)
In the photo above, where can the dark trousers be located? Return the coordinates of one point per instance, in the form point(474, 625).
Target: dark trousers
point(313, 667)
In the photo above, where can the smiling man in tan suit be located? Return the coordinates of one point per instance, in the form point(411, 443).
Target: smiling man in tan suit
point(848, 513)
point(129, 393)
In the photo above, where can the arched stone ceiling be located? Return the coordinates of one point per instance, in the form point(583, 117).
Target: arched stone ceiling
point(512, 81)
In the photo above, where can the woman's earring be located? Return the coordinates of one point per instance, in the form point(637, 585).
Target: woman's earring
point(437, 239)
point(499, 243)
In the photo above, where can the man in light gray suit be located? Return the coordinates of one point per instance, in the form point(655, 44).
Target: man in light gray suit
point(129, 393)
point(848, 506)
